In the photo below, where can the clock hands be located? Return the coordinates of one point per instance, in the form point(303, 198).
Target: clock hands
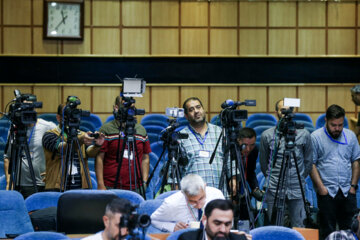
point(62, 21)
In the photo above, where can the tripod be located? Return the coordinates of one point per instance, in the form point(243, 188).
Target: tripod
point(231, 147)
point(132, 156)
point(19, 145)
point(277, 216)
point(72, 145)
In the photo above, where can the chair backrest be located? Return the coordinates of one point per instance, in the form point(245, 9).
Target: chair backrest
point(42, 200)
point(320, 121)
point(303, 117)
point(81, 211)
point(153, 137)
point(157, 147)
point(156, 123)
point(133, 197)
point(216, 120)
point(14, 215)
point(260, 129)
point(176, 235)
point(261, 116)
point(89, 125)
point(94, 119)
point(275, 233)
point(41, 236)
point(154, 116)
point(2, 180)
point(51, 117)
point(149, 206)
point(166, 194)
point(260, 122)
point(153, 129)
point(109, 118)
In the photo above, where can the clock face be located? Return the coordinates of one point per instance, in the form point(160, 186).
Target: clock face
point(63, 20)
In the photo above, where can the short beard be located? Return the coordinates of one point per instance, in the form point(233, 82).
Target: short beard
point(331, 134)
point(213, 236)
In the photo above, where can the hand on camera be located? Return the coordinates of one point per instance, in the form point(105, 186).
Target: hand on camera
point(258, 194)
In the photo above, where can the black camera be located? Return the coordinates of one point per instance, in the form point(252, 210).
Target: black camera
point(230, 116)
point(22, 111)
point(134, 220)
point(127, 111)
point(287, 126)
point(94, 135)
point(72, 115)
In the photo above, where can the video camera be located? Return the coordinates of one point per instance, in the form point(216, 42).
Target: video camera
point(232, 117)
point(72, 115)
point(134, 220)
point(132, 87)
point(21, 111)
point(287, 126)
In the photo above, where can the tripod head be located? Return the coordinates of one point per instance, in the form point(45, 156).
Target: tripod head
point(287, 127)
point(72, 116)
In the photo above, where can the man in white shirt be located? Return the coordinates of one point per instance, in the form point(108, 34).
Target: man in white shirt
point(186, 206)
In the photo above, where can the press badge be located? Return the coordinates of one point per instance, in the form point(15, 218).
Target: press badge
point(126, 154)
point(203, 153)
point(73, 168)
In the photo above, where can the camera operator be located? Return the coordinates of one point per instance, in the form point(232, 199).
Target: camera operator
point(272, 148)
point(106, 164)
point(34, 135)
point(55, 145)
point(200, 145)
point(249, 154)
point(335, 171)
point(114, 211)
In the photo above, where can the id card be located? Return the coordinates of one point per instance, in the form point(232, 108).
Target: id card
point(203, 153)
point(74, 170)
point(126, 154)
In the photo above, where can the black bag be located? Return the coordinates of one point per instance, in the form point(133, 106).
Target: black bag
point(44, 219)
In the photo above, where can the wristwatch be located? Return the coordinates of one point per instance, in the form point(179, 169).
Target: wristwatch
point(355, 186)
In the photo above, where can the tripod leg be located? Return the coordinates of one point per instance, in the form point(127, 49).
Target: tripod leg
point(28, 158)
point(81, 161)
point(138, 170)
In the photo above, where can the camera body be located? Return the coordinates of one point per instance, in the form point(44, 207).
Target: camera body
point(232, 117)
point(22, 110)
point(287, 126)
point(134, 220)
point(127, 111)
point(72, 115)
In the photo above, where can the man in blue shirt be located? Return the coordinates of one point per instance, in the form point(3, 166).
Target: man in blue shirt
point(335, 171)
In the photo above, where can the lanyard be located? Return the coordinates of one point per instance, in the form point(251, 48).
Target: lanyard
point(32, 130)
point(327, 134)
point(190, 210)
point(198, 139)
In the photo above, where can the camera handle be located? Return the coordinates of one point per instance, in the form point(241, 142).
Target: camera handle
point(18, 143)
point(72, 145)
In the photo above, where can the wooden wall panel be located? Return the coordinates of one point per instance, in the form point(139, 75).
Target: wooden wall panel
point(340, 96)
point(223, 42)
point(17, 40)
point(165, 13)
point(314, 117)
point(341, 14)
point(165, 41)
point(44, 46)
point(219, 94)
point(358, 42)
point(282, 42)
point(313, 99)
point(106, 41)
point(88, 13)
point(38, 12)
point(135, 13)
point(50, 96)
point(252, 42)
point(312, 42)
point(194, 41)
point(135, 41)
point(282, 14)
point(277, 93)
point(223, 14)
point(194, 13)
point(163, 97)
point(144, 101)
point(106, 13)
point(257, 93)
point(341, 41)
point(312, 14)
point(252, 14)
point(79, 47)
point(83, 93)
point(104, 98)
point(9, 92)
point(200, 92)
point(17, 12)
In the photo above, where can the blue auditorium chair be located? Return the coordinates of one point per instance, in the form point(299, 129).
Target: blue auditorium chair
point(133, 197)
point(42, 235)
point(14, 215)
point(166, 194)
point(5, 123)
point(109, 118)
point(275, 233)
point(4, 133)
point(154, 129)
point(259, 130)
point(41, 200)
point(157, 147)
point(261, 116)
point(149, 206)
point(93, 183)
point(307, 125)
point(216, 120)
point(153, 137)
point(3, 182)
point(89, 125)
point(320, 121)
point(260, 122)
point(183, 122)
point(94, 119)
point(156, 123)
point(51, 117)
point(154, 116)
point(302, 117)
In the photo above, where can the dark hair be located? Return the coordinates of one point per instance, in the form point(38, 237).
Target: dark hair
point(246, 133)
point(190, 99)
point(60, 109)
point(277, 104)
point(119, 205)
point(335, 112)
point(221, 204)
point(118, 101)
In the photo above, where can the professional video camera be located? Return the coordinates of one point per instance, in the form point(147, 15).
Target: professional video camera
point(232, 117)
point(21, 111)
point(287, 126)
point(132, 87)
point(72, 115)
point(134, 220)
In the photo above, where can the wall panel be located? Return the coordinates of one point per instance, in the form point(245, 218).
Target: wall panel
point(194, 41)
point(341, 14)
point(312, 99)
point(163, 97)
point(17, 12)
point(223, 42)
point(17, 40)
point(38, 12)
point(194, 13)
point(282, 42)
point(135, 13)
point(252, 14)
point(50, 96)
point(106, 41)
point(135, 41)
point(282, 14)
point(252, 42)
point(277, 93)
point(106, 13)
point(165, 13)
point(223, 14)
point(312, 14)
point(200, 92)
point(9, 92)
point(312, 42)
point(44, 46)
point(340, 96)
point(79, 47)
point(257, 93)
point(165, 41)
point(83, 93)
point(341, 41)
point(219, 94)
point(104, 98)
